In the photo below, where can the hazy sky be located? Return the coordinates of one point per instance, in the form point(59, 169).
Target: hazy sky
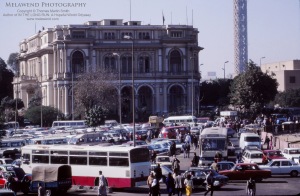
point(273, 25)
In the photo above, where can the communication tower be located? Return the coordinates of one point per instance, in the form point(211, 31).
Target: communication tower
point(240, 36)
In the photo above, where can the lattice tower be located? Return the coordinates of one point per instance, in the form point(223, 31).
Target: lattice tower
point(240, 36)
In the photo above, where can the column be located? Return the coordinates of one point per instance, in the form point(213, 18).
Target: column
point(66, 101)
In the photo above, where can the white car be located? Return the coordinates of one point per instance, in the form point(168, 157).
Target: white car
point(282, 167)
point(292, 153)
point(164, 160)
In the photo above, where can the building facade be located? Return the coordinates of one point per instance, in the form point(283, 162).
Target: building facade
point(165, 64)
point(287, 73)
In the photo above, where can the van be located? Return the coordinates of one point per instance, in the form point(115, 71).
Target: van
point(250, 139)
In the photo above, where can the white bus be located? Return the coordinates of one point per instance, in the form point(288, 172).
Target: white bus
point(69, 123)
point(122, 166)
point(212, 140)
point(179, 120)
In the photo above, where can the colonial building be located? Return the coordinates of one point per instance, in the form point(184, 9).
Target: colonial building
point(287, 73)
point(165, 64)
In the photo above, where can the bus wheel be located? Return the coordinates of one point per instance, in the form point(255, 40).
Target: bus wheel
point(48, 192)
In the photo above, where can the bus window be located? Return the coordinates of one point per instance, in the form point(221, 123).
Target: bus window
point(118, 161)
point(59, 160)
point(98, 161)
point(40, 159)
point(78, 160)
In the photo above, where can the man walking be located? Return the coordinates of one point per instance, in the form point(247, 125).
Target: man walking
point(102, 185)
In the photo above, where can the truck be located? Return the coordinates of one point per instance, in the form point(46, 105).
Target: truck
point(56, 179)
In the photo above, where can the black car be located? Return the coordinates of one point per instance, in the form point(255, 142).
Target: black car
point(199, 177)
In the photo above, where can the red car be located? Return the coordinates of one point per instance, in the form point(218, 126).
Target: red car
point(245, 171)
point(272, 154)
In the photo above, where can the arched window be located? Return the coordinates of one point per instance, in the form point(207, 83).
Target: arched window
point(175, 62)
point(77, 62)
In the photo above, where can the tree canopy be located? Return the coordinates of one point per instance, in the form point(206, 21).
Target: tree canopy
point(251, 90)
point(288, 98)
point(6, 79)
point(96, 89)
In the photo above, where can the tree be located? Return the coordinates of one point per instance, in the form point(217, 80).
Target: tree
point(215, 92)
point(96, 89)
point(12, 61)
point(49, 114)
point(8, 108)
point(251, 90)
point(6, 79)
point(95, 116)
point(288, 98)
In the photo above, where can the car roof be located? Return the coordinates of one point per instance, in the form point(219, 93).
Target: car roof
point(246, 164)
point(281, 160)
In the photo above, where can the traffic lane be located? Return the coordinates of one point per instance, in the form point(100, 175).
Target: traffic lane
point(272, 186)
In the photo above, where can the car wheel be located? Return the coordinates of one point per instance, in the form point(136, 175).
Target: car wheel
point(294, 173)
point(48, 192)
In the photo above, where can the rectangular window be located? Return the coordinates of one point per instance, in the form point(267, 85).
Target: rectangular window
point(98, 153)
point(78, 160)
point(98, 161)
point(121, 162)
point(119, 154)
point(40, 151)
point(78, 34)
point(113, 22)
point(57, 152)
point(78, 153)
point(40, 159)
point(59, 159)
point(292, 79)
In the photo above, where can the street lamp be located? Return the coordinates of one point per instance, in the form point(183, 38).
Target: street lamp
point(192, 64)
point(120, 104)
point(199, 89)
point(224, 67)
point(260, 60)
point(133, 107)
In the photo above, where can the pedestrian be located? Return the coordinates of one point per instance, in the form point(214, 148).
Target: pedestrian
point(153, 156)
point(149, 182)
point(158, 172)
point(102, 185)
point(41, 189)
point(209, 183)
point(184, 150)
point(188, 182)
point(170, 184)
point(155, 187)
point(195, 142)
point(188, 149)
point(195, 160)
point(214, 166)
point(173, 149)
point(267, 141)
point(175, 165)
point(179, 184)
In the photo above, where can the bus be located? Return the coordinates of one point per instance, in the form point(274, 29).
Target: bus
point(212, 140)
point(179, 120)
point(123, 166)
point(69, 123)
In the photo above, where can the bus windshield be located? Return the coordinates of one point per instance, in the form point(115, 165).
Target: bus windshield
point(213, 144)
point(252, 139)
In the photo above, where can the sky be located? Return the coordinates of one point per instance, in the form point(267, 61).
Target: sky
point(273, 25)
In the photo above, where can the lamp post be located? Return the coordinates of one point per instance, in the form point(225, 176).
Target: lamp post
point(120, 104)
point(192, 64)
point(224, 67)
point(199, 89)
point(260, 60)
point(133, 102)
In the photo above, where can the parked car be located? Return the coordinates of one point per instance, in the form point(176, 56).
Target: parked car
point(245, 171)
point(292, 153)
point(164, 160)
point(199, 177)
point(6, 192)
point(269, 155)
point(282, 167)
